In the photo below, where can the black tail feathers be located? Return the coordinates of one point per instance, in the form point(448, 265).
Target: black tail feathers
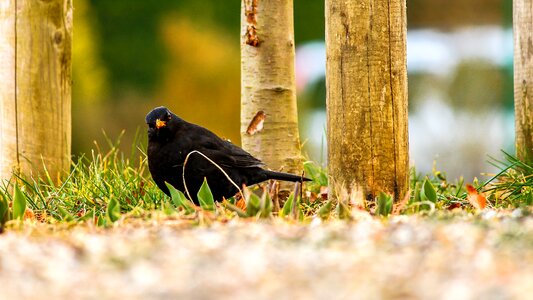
point(285, 176)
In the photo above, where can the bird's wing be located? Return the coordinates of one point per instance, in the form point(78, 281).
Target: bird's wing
point(223, 152)
point(228, 155)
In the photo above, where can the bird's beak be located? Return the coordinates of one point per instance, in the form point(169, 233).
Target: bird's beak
point(160, 124)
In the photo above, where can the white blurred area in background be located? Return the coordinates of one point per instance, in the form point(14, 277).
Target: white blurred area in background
point(458, 139)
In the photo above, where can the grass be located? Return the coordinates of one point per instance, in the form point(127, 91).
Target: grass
point(103, 187)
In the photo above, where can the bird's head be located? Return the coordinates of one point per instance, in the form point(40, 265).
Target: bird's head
point(160, 123)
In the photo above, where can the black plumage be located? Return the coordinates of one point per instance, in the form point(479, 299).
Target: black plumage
point(171, 139)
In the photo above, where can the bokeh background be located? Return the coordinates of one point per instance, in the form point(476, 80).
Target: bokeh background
point(132, 55)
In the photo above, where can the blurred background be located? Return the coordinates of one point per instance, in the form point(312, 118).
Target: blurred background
point(132, 55)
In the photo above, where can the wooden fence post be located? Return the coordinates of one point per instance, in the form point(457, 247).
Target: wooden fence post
point(523, 77)
point(366, 80)
point(35, 87)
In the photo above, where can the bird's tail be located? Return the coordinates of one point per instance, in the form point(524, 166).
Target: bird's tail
point(285, 176)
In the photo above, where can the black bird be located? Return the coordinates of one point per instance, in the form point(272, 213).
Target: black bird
point(171, 139)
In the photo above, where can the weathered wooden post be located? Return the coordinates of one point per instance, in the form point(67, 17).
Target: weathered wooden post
point(366, 79)
point(523, 77)
point(35, 86)
point(268, 89)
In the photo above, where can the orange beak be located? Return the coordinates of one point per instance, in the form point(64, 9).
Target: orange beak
point(159, 123)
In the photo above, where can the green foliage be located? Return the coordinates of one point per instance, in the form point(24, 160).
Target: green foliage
point(266, 205)
point(343, 210)
point(292, 208)
point(179, 200)
point(253, 204)
point(138, 60)
point(316, 173)
point(65, 215)
point(428, 191)
point(4, 211)
point(205, 197)
point(113, 210)
point(384, 204)
point(91, 184)
point(325, 210)
point(19, 203)
point(287, 206)
point(512, 187)
point(101, 189)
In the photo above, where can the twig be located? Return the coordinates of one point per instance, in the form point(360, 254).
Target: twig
point(211, 161)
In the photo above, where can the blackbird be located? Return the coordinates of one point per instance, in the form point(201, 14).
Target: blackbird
point(171, 139)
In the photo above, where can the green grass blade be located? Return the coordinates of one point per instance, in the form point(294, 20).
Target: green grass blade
point(384, 204)
point(253, 205)
point(428, 191)
point(287, 206)
point(266, 204)
point(325, 211)
point(179, 199)
point(343, 210)
point(65, 215)
point(235, 209)
point(113, 210)
point(4, 210)
point(19, 203)
point(314, 171)
point(205, 197)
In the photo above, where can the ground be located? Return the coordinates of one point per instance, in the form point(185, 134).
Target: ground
point(464, 256)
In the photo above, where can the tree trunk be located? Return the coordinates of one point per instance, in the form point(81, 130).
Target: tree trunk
point(523, 77)
point(366, 79)
point(35, 86)
point(269, 120)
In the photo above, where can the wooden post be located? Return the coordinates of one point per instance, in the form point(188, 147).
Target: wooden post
point(35, 86)
point(268, 89)
point(523, 77)
point(366, 80)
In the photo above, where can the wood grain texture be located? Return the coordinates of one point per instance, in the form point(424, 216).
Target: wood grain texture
point(523, 77)
point(366, 79)
point(268, 83)
point(35, 60)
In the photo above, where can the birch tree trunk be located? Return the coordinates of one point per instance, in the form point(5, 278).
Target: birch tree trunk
point(523, 77)
point(269, 120)
point(366, 79)
point(35, 86)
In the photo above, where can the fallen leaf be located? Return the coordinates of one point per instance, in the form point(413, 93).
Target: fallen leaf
point(478, 200)
point(256, 124)
point(311, 196)
point(324, 192)
point(398, 207)
point(29, 214)
point(240, 203)
point(454, 205)
point(357, 199)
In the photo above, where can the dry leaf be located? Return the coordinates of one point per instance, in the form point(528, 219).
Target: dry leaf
point(454, 205)
point(256, 124)
point(477, 200)
point(240, 202)
point(312, 196)
point(398, 207)
point(28, 214)
point(324, 192)
point(357, 199)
